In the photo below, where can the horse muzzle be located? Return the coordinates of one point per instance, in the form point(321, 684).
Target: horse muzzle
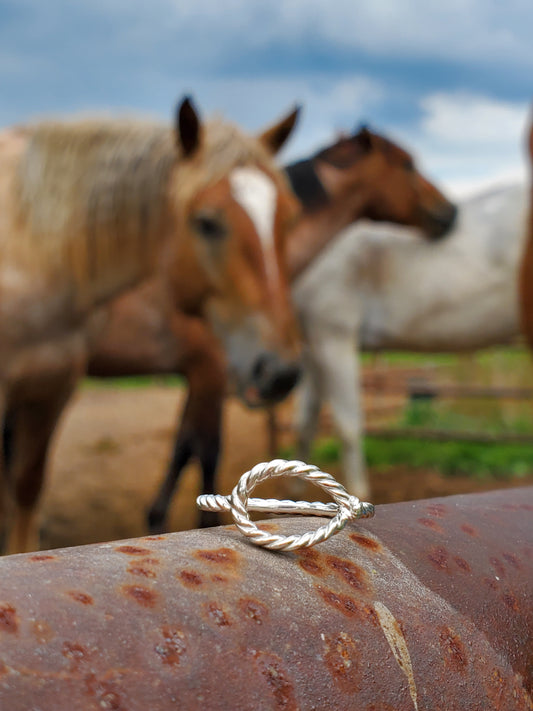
point(437, 223)
point(272, 378)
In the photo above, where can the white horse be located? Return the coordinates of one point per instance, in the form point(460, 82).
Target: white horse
point(379, 287)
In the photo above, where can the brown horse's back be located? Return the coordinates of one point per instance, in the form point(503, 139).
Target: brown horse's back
point(526, 269)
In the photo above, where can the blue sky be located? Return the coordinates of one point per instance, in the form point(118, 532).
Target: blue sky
point(451, 80)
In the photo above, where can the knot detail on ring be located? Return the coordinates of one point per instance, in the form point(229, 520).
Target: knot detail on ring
point(344, 507)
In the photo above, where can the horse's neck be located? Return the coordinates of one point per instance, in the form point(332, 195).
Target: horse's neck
point(314, 232)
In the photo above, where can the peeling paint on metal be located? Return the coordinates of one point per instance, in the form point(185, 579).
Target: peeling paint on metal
point(398, 644)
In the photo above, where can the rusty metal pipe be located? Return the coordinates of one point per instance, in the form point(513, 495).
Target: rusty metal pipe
point(427, 606)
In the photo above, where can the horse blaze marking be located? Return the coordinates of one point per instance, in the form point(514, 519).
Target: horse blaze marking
point(258, 196)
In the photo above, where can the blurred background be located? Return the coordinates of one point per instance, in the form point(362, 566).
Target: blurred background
point(450, 81)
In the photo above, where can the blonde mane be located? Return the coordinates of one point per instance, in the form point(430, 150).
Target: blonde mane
point(96, 197)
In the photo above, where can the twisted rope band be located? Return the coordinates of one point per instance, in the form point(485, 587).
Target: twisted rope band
point(344, 509)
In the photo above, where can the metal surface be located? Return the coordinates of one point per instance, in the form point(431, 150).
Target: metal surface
point(345, 507)
point(427, 606)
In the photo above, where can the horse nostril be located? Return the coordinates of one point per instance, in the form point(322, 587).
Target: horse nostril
point(442, 221)
point(284, 381)
point(452, 215)
point(273, 378)
point(261, 367)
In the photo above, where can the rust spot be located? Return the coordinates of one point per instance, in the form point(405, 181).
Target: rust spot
point(498, 567)
point(343, 661)
point(308, 560)
point(217, 615)
point(366, 542)
point(75, 653)
point(218, 579)
point(149, 561)
point(495, 685)
point(110, 700)
point(154, 538)
point(104, 693)
point(277, 681)
point(42, 631)
point(138, 569)
point(9, 621)
point(462, 564)
point(3, 669)
point(431, 523)
point(438, 556)
point(41, 557)
point(133, 550)
point(141, 595)
point(512, 559)
point(221, 556)
point(253, 610)
point(470, 530)
point(453, 649)
point(348, 606)
point(190, 578)
point(491, 583)
point(381, 706)
point(269, 527)
point(80, 596)
point(436, 510)
point(511, 601)
point(352, 574)
point(173, 647)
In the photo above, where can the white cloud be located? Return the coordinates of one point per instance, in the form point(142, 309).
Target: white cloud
point(484, 30)
point(204, 31)
point(470, 140)
point(465, 118)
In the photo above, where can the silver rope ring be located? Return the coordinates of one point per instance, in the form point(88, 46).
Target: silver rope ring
point(239, 503)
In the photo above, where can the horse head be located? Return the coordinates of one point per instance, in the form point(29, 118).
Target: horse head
point(234, 208)
point(382, 180)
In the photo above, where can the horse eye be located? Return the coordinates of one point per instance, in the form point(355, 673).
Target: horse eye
point(208, 226)
point(409, 166)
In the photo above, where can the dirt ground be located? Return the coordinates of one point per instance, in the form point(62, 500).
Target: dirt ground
point(113, 447)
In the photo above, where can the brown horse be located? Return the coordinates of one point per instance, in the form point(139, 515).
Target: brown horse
point(89, 209)
point(364, 175)
point(526, 267)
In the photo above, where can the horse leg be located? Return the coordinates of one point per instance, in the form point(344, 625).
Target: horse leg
point(199, 435)
point(339, 365)
point(32, 423)
point(308, 405)
point(157, 514)
point(208, 450)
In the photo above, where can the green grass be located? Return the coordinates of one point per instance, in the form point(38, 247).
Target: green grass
point(134, 381)
point(479, 461)
point(511, 367)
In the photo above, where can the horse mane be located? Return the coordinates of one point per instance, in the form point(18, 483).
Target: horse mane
point(306, 185)
point(347, 150)
point(94, 194)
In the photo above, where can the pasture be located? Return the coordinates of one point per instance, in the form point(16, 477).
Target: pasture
point(116, 438)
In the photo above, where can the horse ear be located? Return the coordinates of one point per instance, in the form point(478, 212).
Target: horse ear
point(274, 138)
point(364, 137)
point(187, 128)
